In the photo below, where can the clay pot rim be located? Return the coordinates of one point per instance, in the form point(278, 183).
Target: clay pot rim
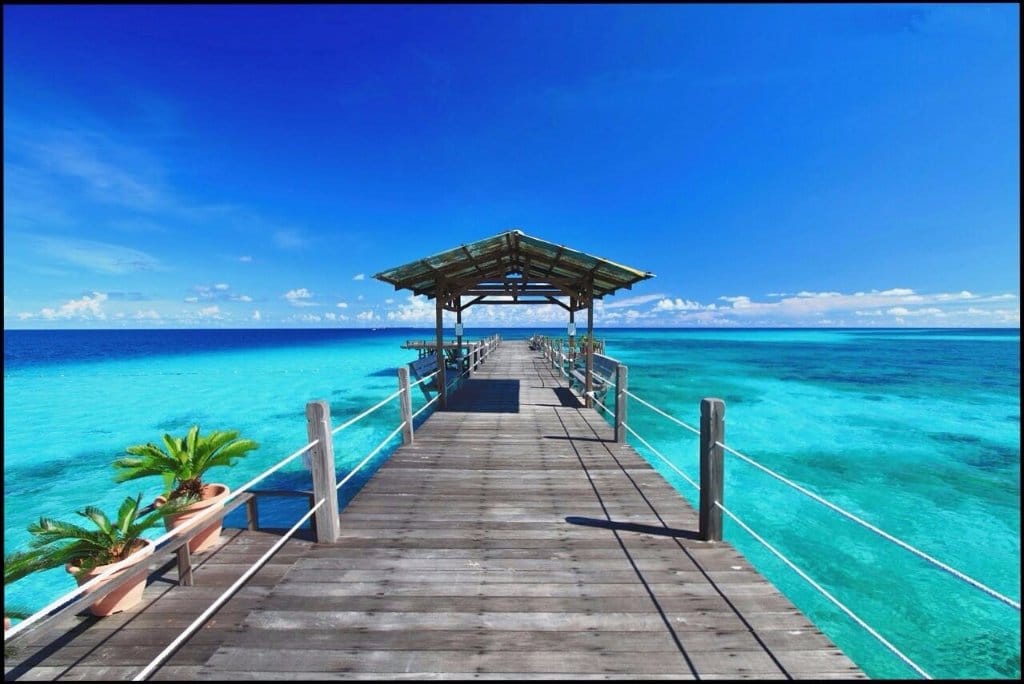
point(141, 553)
point(222, 491)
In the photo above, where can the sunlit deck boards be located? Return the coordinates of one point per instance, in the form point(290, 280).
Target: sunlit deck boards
point(81, 647)
point(513, 539)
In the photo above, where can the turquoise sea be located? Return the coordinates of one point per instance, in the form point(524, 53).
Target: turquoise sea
point(916, 431)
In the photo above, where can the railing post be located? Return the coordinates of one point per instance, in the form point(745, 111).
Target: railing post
point(185, 566)
point(405, 402)
point(712, 470)
point(318, 427)
point(621, 385)
point(252, 513)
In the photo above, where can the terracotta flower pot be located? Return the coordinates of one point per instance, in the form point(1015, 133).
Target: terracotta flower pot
point(128, 594)
point(213, 496)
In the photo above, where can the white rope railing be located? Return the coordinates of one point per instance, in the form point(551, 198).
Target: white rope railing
point(598, 403)
point(654, 408)
point(423, 379)
point(423, 408)
point(223, 598)
point(882, 533)
point(366, 412)
point(280, 464)
point(78, 592)
point(371, 455)
point(659, 455)
point(825, 593)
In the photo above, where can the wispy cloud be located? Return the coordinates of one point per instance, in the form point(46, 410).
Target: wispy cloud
point(632, 301)
point(359, 276)
point(98, 257)
point(220, 292)
point(290, 239)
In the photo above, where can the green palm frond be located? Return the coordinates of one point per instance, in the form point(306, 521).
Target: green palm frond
point(56, 543)
point(22, 563)
point(183, 459)
point(98, 517)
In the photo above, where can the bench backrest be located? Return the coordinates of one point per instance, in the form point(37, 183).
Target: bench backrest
point(424, 366)
point(605, 366)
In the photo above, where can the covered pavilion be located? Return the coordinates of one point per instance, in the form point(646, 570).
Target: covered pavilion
point(512, 268)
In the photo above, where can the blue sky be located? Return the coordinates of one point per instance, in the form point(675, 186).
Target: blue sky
point(773, 165)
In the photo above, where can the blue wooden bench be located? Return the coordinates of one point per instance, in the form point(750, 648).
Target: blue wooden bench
point(421, 368)
point(604, 375)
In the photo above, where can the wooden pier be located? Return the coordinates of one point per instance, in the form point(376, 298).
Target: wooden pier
point(513, 539)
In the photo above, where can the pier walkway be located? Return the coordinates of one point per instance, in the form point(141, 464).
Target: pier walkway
point(514, 538)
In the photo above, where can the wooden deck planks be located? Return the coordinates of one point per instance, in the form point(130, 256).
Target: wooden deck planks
point(512, 540)
point(515, 539)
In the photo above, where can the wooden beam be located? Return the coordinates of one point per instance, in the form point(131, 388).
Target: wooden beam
point(469, 304)
point(472, 258)
point(558, 302)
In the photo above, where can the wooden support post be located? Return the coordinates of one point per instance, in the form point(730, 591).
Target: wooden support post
point(185, 566)
point(590, 350)
point(572, 326)
point(252, 513)
point(458, 336)
point(325, 482)
point(712, 468)
point(405, 402)
point(442, 390)
point(621, 401)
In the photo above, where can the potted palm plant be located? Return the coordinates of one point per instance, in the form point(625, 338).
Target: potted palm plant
point(182, 463)
point(117, 546)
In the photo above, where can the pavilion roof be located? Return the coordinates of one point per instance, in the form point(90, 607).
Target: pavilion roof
point(513, 264)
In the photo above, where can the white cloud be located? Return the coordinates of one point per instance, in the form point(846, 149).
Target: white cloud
point(241, 298)
point(367, 316)
point(389, 300)
point(88, 307)
point(680, 305)
point(418, 309)
point(191, 300)
point(962, 295)
point(256, 315)
point(221, 286)
point(903, 311)
point(149, 314)
point(879, 307)
point(359, 276)
point(210, 312)
point(631, 301)
point(341, 305)
point(245, 259)
point(330, 316)
point(299, 297)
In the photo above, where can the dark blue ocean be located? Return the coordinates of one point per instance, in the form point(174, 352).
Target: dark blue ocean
point(916, 431)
